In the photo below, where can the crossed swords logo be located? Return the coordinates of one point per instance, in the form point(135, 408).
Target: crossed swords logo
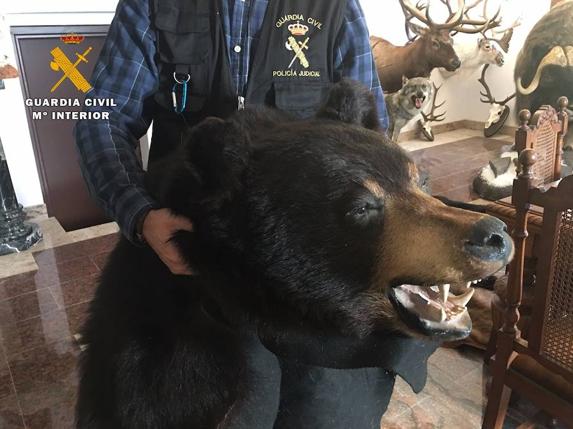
point(298, 48)
point(62, 63)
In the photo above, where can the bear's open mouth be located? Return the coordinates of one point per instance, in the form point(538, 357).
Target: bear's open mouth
point(434, 310)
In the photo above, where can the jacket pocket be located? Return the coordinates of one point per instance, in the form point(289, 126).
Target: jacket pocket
point(183, 36)
point(301, 99)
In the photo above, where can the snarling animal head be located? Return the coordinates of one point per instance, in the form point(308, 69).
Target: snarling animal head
point(416, 93)
point(327, 223)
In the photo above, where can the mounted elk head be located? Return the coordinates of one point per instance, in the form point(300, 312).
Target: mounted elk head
point(435, 39)
point(431, 43)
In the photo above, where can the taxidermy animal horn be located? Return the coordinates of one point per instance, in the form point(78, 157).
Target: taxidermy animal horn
point(557, 56)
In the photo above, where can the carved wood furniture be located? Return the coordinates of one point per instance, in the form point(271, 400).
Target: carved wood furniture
point(544, 132)
point(517, 361)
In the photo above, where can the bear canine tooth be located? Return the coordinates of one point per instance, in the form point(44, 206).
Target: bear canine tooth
point(444, 292)
point(443, 315)
point(462, 300)
point(468, 285)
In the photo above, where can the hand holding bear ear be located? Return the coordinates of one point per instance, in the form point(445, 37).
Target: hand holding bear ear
point(159, 227)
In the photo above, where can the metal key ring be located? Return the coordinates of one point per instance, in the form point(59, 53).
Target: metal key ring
point(181, 81)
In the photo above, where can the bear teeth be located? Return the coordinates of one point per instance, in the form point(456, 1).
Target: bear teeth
point(462, 300)
point(444, 292)
point(438, 314)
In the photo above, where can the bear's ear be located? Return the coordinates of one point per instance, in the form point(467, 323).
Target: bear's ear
point(350, 101)
point(216, 152)
point(206, 168)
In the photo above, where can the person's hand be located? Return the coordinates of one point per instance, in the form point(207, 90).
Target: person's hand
point(158, 228)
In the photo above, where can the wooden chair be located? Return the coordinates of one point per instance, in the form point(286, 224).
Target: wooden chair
point(517, 361)
point(543, 132)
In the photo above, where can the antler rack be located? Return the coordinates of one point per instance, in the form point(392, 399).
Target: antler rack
point(459, 21)
point(488, 97)
point(432, 116)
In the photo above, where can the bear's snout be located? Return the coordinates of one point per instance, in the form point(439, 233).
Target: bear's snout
point(489, 240)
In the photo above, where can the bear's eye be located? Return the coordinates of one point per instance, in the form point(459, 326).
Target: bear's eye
point(365, 212)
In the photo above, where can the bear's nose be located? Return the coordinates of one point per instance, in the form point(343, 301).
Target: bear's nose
point(489, 240)
point(456, 63)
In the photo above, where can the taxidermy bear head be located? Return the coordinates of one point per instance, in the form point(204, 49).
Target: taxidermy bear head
point(322, 222)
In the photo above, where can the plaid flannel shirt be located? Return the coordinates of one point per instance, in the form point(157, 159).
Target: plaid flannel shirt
point(126, 71)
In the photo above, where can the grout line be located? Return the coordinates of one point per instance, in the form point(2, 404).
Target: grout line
point(2, 301)
point(21, 412)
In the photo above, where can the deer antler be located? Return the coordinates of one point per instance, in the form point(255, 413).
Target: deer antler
point(458, 21)
point(409, 18)
point(432, 116)
point(474, 26)
point(507, 35)
point(421, 12)
point(489, 98)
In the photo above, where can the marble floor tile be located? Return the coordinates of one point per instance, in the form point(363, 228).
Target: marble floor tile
point(17, 285)
point(70, 252)
point(49, 407)
point(10, 413)
point(37, 332)
point(93, 232)
point(101, 259)
point(56, 273)
point(52, 366)
point(402, 402)
point(75, 291)
point(6, 385)
point(76, 250)
point(17, 263)
point(26, 306)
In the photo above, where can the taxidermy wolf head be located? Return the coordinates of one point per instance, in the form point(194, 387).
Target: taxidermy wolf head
point(408, 103)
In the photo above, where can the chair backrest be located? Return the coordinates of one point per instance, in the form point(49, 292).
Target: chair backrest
point(544, 133)
point(550, 336)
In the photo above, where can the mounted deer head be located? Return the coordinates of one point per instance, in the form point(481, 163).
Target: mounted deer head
point(488, 53)
point(430, 44)
point(437, 38)
point(498, 107)
point(488, 46)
